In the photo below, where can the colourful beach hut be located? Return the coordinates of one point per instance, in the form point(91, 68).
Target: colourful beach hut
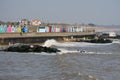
point(5, 28)
point(25, 29)
point(50, 28)
point(9, 29)
point(13, 28)
point(41, 29)
point(63, 29)
point(70, 29)
point(0, 28)
point(19, 29)
point(60, 29)
point(66, 28)
point(46, 29)
point(54, 28)
point(81, 29)
point(57, 29)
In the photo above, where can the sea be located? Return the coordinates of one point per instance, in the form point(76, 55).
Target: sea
point(76, 61)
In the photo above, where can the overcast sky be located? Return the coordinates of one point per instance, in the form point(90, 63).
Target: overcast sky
point(62, 11)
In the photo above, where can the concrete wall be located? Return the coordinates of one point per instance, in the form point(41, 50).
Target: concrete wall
point(39, 37)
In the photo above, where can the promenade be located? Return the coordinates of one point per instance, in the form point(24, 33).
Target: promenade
point(35, 34)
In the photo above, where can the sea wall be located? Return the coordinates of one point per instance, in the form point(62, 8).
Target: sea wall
point(41, 37)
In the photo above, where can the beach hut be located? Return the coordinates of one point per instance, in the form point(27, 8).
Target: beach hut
point(77, 29)
point(46, 29)
point(41, 29)
point(50, 28)
point(0, 28)
point(16, 28)
point(5, 28)
point(81, 29)
point(63, 29)
point(84, 29)
point(57, 29)
point(60, 28)
point(69, 29)
point(72, 29)
point(54, 28)
point(66, 28)
point(25, 29)
point(9, 29)
point(19, 29)
point(12, 28)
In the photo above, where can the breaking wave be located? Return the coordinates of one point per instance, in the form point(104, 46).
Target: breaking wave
point(71, 47)
point(52, 42)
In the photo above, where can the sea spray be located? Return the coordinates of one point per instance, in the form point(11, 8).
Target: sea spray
point(50, 42)
point(63, 47)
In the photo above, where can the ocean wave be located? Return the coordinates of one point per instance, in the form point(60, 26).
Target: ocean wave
point(53, 42)
point(63, 51)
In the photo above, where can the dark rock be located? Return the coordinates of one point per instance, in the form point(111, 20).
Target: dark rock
point(100, 41)
point(29, 48)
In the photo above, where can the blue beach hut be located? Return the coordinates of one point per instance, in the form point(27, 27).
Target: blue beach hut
point(5, 28)
point(41, 29)
point(16, 28)
point(1, 29)
point(52, 28)
point(25, 29)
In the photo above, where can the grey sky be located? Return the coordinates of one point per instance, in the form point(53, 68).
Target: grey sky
point(62, 11)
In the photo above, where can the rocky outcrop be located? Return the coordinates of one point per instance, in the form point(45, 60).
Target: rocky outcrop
point(100, 41)
point(29, 48)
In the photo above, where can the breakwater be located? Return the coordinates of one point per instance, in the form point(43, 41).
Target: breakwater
point(6, 38)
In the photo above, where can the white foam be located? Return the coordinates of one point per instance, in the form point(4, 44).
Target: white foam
point(50, 42)
point(116, 41)
point(63, 51)
point(44, 53)
point(80, 44)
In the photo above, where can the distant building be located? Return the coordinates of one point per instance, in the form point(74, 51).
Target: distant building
point(24, 22)
point(36, 22)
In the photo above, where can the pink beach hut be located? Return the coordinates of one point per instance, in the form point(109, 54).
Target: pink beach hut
point(9, 29)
